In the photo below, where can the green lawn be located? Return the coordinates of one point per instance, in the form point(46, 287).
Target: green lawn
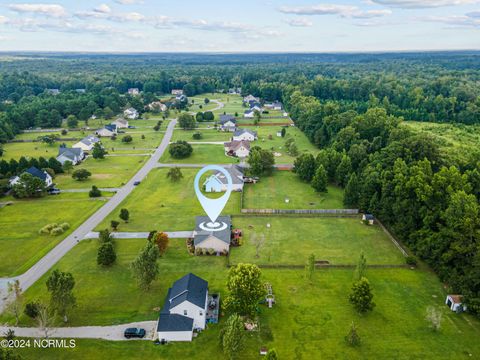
point(290, 240)
point(271, 191)
point(152, 140)
point(207, 135)
point(20, 242)
point(268, 139)
point(112, 171)
point(308, 321)
point(32, 149)
point(202, 154)
point(157, 203)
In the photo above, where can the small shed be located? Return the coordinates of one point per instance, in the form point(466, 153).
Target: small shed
point(454, 302)
point(368, 218)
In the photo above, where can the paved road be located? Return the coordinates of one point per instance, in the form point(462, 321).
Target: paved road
point(114, 332)
point(28, 278)
point(141, 235)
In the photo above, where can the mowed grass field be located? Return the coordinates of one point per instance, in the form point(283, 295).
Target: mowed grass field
point(112, 171)
point(271, 191)
point(309, 320)
point(20, 242)
point(457, 141)
point(159, 204)
point(202, 154)
point(291, 240)
point(207, 135)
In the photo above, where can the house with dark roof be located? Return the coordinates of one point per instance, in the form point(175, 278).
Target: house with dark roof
point(276, 105)
point(217, 238)
point(107, 131)
point(228, 122)
point(368, 218)
point(244, 134)
point(249, 114)
point(184, 310)
point(41, 174)
point(74, 155)
point(240, 149)
point(87, 143)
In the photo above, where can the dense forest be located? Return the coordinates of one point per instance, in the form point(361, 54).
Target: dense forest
point(349, 105)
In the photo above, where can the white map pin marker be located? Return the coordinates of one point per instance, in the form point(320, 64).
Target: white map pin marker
point(213, 207)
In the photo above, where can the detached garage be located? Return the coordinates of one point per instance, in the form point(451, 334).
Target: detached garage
point(173, 327)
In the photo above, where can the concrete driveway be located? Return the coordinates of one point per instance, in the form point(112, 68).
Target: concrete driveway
point(114, 332)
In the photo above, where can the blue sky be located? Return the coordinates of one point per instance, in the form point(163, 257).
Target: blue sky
point(239, 26)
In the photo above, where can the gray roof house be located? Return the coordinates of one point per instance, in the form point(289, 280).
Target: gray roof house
point(244, 134)
point(236, 173)
point(74, 155)
point(228, 122)
point(184, 309)
point(219, 240)
point(41, 174)
point(87, 143)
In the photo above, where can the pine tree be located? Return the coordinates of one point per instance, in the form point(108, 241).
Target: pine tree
point(106, 254)
point(320, 181)
point(352, 338)
point(361, 296)
point(352, 191)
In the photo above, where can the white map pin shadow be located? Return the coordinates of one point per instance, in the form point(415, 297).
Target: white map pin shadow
point(213, 207)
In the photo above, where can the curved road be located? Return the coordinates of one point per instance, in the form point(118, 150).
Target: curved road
point(28, 278)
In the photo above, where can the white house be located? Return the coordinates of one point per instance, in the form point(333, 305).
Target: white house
point(74, 155)
point(133, 91)
point(213, 184)
point(228, 122)
point(42, 175)
point(218, 240)
point(239, 149)
point(120, 123)
point(107, 131)
point(249, 98)
point(249, 114)
point(131, 113)
point(454, 302)
point(218, 181)
point(256, 107)
point(157, 105)
point(244, 134)
point(184, 310)
point(177, 92)
point(87, 143)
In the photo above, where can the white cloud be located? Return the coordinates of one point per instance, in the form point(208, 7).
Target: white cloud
point(50, 10)
point(299, 22)
point(418, 4)
point(454, 20)
point(103, 9)
point(334, 9)
point(132, 16)
point(3, 19)
point(129, 2)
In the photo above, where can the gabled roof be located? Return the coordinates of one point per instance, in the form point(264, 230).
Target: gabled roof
point(234, 145)
point(121, 121)
point(226, 118)
point(132, 110)
point(212, 178)
point(111, 127)
point(37, 173)
point(200, 235)
point(174, 322)
point(239, 132)
point(189, 288)
point(70, 153)
point(235, 171)
point(249, 111)
point(89, 140)
point(457, 299)
point(369, 217)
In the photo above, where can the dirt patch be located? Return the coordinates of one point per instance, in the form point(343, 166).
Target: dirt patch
point(102, 176)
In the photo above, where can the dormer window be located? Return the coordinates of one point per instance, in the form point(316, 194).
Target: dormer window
point(185, 312)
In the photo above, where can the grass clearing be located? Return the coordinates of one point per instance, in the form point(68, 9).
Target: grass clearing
point(20, 242)
point(112, 171)
point(159, 204)
point(290, 240)
point(202, 154)
point(271, 191)
point(207, 135)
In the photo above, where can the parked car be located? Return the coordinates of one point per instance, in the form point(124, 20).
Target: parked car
point(136, 183)
point(134, 333)
point(53, 191)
